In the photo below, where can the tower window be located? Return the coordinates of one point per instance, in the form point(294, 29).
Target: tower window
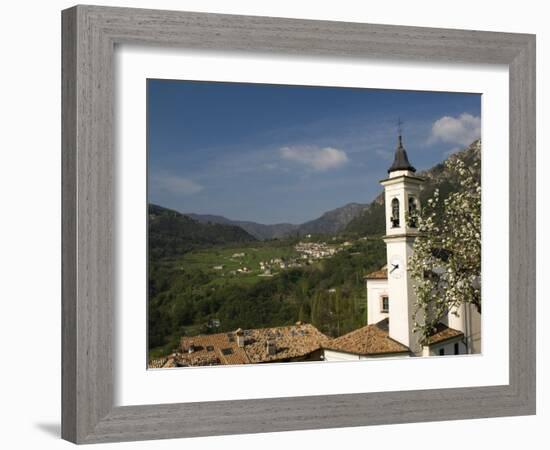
point(413, 213)
point(384, 304)
point(394, 213)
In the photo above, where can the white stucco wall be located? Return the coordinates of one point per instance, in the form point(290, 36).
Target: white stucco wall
point(375, 290)
point(447, 346)
point(401, 293)
point(333, 355)
point(469, 322)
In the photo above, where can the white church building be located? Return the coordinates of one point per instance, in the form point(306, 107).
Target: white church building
point(390, 292)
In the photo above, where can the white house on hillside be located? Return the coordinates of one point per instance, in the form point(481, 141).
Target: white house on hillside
point(390, 293)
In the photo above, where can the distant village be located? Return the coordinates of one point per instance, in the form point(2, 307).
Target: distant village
point(308, 253)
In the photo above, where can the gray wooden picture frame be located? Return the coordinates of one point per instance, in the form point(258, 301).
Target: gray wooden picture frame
point(90, 34)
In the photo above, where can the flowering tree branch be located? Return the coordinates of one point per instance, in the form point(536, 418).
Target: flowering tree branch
point(446, 262)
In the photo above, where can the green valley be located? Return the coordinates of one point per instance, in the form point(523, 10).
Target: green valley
point(260, 284)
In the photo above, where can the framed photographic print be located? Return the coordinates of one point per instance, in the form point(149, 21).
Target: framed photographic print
point(256, 207)
point(306, 273)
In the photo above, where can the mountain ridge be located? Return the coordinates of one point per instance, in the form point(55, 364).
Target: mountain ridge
point(351, 217)
point(256, 229)
point(329, 222)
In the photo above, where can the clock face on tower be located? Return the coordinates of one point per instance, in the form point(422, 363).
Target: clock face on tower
point(396, 266)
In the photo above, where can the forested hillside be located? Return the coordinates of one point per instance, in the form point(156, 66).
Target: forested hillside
point(173, 234)
point(371, 221)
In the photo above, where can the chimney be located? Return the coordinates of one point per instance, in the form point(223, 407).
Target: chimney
point(271, 347)
point(240, 337)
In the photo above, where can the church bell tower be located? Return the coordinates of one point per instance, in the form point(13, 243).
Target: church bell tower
point(402, 206)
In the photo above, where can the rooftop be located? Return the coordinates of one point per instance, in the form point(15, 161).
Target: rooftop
point(401, 160)
point(280, 344)
point(443, 333)
point(288, 342)
point(370, 340)
point(162, 363)
point(381, 274)
point(211, 350)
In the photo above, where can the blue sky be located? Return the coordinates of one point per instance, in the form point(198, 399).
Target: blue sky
point(272, 153)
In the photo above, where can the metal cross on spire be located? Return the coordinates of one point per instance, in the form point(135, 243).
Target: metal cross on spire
point(400, 130)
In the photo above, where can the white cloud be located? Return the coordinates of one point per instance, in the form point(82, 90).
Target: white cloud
point(175, 184)
point(319, 159)
point(462, 130)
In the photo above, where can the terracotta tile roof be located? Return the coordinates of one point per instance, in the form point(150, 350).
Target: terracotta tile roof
point(381, 274)
point(169, 363)
point(162, 363)
point(211, 349)
point(443, 333)
point(157, 363)
point(289, 342)
point(294, 341)
point(371, 340)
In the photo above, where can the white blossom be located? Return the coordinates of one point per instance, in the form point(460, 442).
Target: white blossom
point(446, 262)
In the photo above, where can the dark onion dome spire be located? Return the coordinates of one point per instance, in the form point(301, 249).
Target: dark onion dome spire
point(401, 161)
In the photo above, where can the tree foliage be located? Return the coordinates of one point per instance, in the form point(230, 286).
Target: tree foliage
point(446, 262)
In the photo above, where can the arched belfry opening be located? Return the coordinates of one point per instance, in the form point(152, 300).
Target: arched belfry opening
point(394, 213)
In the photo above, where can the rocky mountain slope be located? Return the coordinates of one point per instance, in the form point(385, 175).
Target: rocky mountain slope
point(371, 221)
point(330, 222)
point(258, 230)
point(333, 221)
